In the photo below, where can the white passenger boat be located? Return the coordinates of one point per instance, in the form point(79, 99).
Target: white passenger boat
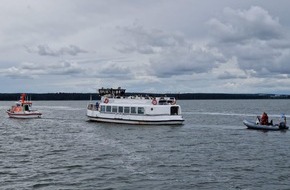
point(115, 107)
point(22, 109)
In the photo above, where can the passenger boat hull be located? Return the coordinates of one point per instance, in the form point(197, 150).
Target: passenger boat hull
point(24, 115)
point(252, 125)
point(135, 120)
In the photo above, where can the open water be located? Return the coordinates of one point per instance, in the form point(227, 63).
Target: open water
point(212, 150)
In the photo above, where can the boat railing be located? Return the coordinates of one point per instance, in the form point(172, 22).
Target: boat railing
point(167, 101)
point(141, 100)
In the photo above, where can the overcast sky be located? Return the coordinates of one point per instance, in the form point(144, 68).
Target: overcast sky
point(209, 46)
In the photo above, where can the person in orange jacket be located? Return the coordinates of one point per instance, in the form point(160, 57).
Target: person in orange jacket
point(264, 120)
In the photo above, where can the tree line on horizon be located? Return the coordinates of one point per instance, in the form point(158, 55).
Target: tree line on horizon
point(179, 96)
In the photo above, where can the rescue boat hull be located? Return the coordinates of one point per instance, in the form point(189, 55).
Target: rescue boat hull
point(252, 125)
point(24, 115)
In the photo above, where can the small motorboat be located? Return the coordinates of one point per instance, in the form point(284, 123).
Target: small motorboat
point(254, 125)
point(22, 109)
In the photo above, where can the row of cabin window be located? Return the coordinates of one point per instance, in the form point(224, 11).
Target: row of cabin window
point(121, 109)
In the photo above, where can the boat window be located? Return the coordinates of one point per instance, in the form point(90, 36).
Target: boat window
point(103, 108)
point(108, 108)
point(114, 109)
point(174, 110)
point(133, 110)
point(26, 108)
point(162, 102)
point(140, 110)
point(126, 109)
point(90, 106)
point(120, 109)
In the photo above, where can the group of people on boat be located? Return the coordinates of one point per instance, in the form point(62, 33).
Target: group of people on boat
point(264, 120)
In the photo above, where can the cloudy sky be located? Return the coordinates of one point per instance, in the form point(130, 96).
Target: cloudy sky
point(225, 46)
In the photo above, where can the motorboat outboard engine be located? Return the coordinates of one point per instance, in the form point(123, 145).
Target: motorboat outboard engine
point(282, 125)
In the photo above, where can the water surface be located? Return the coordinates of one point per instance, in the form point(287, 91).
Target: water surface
point(212, 150)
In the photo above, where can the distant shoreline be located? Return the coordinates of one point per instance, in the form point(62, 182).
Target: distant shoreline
point(179, 96)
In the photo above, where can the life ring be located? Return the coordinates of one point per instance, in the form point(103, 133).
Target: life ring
point(154, 102)
point(106, 101)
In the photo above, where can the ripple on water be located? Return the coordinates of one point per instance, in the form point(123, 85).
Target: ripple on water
point(63, 151)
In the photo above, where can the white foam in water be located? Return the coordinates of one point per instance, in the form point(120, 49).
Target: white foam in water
point(228, 114)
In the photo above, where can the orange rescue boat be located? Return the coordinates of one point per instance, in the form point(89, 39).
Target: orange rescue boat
point(22, 109)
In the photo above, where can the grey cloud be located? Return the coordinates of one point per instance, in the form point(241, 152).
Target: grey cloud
point(280, 44)
point(137, 39)
point(171, 53)
point(228, 75)
point(249, 34)
point(32, 70)
point(65, 68)
point(255, 37)
point(114, 69)
point(129, 48)
point(185, 61)
point(16, 73)
point(45, 50)
point(241, 25)
point(282, 63)
point(167, 43)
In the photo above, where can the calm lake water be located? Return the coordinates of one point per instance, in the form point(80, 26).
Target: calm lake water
point(212, 150)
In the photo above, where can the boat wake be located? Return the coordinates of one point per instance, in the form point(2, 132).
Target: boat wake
point(66, 108)
point(217, 113)
point(229, 114)
point(61, 119)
